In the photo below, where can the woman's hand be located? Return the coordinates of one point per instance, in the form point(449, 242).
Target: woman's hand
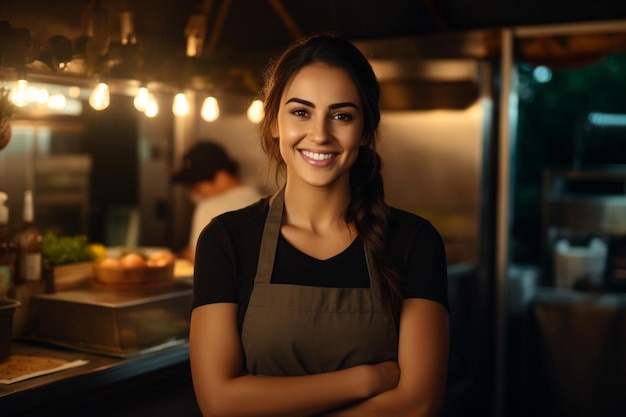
point(383, 377)
point(422, 359)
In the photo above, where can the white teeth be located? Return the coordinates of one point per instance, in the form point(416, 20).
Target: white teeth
point(317, 156)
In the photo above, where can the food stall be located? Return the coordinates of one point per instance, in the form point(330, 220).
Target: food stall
point(108, 339)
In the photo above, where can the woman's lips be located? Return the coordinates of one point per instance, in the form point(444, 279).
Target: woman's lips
point(318, 159)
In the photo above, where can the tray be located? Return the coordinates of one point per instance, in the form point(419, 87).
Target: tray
point(113, 322)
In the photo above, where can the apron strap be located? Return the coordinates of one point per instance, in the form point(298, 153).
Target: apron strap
point(271, 231)
point(269, 242)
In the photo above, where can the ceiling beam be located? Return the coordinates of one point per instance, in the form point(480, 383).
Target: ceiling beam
point(286, 18)
point(216, 29)
point(435, 14)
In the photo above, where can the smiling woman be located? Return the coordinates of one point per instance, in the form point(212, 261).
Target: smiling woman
point(320, 299)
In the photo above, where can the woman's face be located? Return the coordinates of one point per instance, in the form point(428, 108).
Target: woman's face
point(319, 125)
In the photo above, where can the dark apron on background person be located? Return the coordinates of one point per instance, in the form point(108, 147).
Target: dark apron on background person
point(291, 330)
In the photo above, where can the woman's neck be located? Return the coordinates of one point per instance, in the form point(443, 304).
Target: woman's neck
point(314, 220)
point(316, 209)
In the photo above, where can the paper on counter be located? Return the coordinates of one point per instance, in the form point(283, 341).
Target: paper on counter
point(21, 367)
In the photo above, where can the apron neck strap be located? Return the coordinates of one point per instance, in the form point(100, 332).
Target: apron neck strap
point(269, 240)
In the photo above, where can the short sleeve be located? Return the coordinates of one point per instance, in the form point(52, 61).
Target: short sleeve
point(419, 250)
point(214, 268)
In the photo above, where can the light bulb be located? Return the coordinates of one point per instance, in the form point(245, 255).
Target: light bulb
point(210, 109)
point(255, 112)
point(74, 91)
point(39, 95)
point(19, 96)
point(141, 99)
point(57, 101)
point(152, 107)
point(99, 98)
point(181, 105)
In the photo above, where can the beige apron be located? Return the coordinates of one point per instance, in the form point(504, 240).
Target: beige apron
point(291, 330)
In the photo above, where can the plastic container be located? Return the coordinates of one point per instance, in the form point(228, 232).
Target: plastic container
point(579, 263)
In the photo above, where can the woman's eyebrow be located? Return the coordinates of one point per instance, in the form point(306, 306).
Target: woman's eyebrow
point(345, 104)
point(301, 101)
point(331, 107)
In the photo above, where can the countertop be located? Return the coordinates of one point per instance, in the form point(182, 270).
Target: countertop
point(100, 371)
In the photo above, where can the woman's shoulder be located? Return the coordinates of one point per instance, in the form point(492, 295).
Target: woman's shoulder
point(404, 219)
point(235, 231)
point(244, 218)
point(407, 227)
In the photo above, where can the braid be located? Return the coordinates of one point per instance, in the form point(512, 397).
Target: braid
point(371, 215)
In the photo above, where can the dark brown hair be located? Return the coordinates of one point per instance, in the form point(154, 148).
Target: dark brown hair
point(367, 208)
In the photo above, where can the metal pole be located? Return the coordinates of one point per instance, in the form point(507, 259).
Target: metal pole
point(507, 117)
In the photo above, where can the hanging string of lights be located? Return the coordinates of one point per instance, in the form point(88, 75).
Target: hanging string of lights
point(96, 55)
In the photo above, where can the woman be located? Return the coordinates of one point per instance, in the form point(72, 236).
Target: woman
point(321, 299)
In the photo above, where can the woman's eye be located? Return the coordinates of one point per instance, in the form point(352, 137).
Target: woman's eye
point(343, 116)
point(299, 112)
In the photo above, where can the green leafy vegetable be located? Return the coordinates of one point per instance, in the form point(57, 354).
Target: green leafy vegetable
point(62, 250)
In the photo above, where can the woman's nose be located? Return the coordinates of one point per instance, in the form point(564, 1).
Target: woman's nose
point(320, 132)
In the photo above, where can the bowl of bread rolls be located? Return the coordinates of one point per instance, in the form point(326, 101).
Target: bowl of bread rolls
point(136, 268)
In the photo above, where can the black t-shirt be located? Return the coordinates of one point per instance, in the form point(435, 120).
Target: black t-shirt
point(228, 252)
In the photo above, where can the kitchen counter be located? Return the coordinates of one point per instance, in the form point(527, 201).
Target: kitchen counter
point(153, 382)
point(97, 386)
point(120, 377)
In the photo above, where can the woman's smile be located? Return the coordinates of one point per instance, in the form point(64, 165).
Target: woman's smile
point(318, 159)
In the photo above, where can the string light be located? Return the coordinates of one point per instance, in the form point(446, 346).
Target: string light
point(152, 107)
point(74, 91)
point(180, 107)
point(141, 99)
point(38, 95)
point(255, 112)
point(210, 109)
point(57, 101)
point(25, 94)
point(100, 98)
point(19, 96)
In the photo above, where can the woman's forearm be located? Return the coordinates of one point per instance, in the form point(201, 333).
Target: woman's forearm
point(393, 403)
point(296, 396)
point(423, 361)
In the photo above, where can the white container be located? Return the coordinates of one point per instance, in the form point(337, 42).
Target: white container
point(577, 263)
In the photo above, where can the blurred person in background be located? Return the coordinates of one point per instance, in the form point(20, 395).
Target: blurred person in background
point(212, 180)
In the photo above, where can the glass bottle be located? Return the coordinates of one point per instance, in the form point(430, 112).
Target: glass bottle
point(29, 245)
point(7, 249)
